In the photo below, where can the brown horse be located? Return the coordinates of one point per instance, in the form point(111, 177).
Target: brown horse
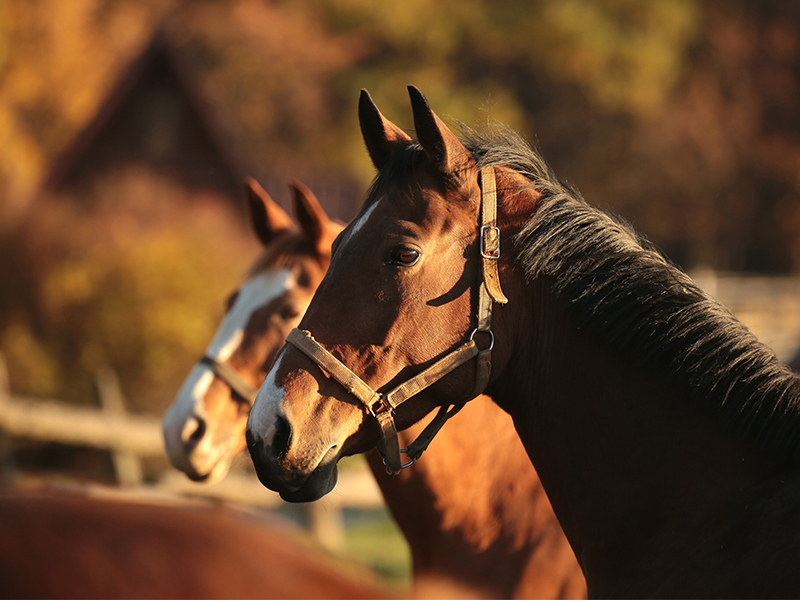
point(473, 530)
point(204, 427)
point(665, 434)
point(68, 545)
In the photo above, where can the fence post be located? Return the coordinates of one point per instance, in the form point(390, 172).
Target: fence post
point(127, 466)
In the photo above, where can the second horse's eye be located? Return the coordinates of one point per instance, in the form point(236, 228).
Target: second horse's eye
point(288, 312)
point(403, 257)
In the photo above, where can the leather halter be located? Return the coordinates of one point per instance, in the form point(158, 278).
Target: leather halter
point(382, 406)
point(229, 375)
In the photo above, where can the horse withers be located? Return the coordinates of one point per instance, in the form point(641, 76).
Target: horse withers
point(665, 434)
point(478, 524)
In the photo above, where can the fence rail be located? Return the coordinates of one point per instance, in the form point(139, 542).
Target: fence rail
point(54, 421)
point(131, 437)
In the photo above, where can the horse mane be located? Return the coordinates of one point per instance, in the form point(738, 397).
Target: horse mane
point(287, 250)
point(618, 285)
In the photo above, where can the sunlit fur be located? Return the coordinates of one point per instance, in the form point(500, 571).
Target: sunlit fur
point(596, 360)
point(619, 285)
point(465, 538)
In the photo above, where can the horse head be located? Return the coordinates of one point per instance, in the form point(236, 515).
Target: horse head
point(204, 427)
point(401, 297)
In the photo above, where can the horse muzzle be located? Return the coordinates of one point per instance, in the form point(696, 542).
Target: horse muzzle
point(296, 481)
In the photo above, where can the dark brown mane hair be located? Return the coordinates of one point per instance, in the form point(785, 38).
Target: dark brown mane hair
point(621, 288)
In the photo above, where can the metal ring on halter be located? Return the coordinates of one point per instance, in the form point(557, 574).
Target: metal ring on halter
point(408, 464)
point(490, 332)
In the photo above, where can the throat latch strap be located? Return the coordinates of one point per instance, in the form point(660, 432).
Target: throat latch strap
point(229, 375)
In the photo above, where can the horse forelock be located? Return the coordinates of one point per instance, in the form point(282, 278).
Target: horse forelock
point(396, 173)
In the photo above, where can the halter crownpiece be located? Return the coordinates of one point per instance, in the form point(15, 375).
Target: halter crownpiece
point(382, 406)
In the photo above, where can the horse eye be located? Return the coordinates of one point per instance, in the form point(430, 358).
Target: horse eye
point(288, 312)
point(403, 256)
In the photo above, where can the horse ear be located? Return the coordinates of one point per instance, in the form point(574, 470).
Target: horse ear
point(268, 219)
point(441, 145)
point(314, 222)
point(381, 136)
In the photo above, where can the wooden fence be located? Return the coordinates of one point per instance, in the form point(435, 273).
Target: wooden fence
point(129, 438)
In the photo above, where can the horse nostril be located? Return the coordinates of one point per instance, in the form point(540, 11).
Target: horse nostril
point(193, 431)
point(283, 434)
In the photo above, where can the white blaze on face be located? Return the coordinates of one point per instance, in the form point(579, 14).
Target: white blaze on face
point(357, 225)
point(255, 293)
point(353, 230)
point(266, 408)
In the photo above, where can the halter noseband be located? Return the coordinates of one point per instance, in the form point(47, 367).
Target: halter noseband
point(382, 406)
point(229, 375)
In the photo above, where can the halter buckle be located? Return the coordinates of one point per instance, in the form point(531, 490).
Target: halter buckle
point(490, 242)
point(378, 406)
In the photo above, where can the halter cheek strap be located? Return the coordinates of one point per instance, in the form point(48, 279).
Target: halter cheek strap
point(383, 406)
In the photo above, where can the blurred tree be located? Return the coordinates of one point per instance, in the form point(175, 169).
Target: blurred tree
point(717, 172)
point(682, 115)
point(60, 59)
point(119, 285)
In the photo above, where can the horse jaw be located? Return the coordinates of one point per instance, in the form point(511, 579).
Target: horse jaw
point(300, 468)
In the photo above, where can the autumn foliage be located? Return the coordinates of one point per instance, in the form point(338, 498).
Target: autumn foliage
point(681, 115)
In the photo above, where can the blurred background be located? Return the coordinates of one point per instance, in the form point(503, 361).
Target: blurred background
point(127, 127)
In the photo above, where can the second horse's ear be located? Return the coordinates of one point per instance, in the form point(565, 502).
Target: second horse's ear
point(268, 219)
point(312, 218)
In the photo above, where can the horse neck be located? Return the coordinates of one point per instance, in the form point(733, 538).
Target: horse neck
point(632, 469)
point(475, 515)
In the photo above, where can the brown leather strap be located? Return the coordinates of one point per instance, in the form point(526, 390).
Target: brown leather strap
point(391, 443)
point(432, 374)
point(490, 236)
point(231, 377)
point(424, 439)
point(484, 372)
point(489, 289)
point(305, 342)
point(334, 367)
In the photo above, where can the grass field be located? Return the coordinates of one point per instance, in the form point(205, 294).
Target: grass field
point(373, 539)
